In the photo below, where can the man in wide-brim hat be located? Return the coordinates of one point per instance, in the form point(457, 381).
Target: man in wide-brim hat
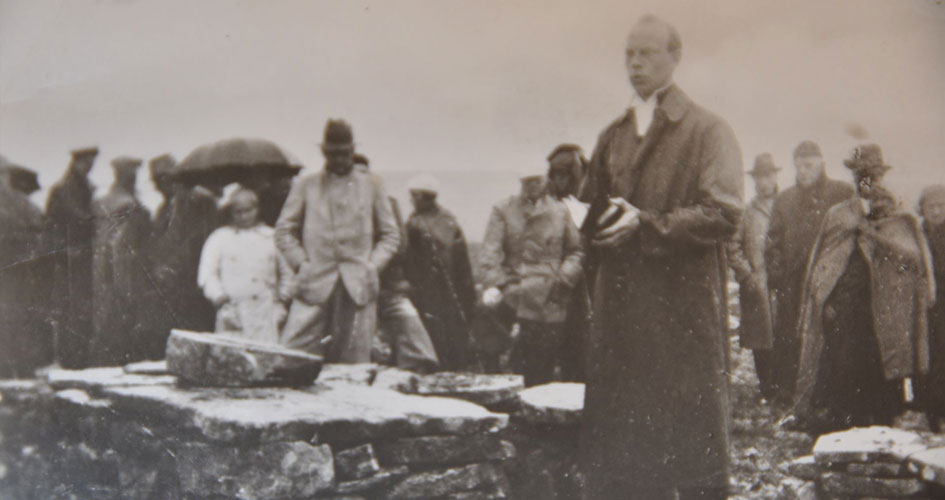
point(337, 231)
point(747, 258)
point(863, 312)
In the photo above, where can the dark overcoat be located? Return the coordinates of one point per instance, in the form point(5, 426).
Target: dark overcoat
point(69, 215)
point(119, 279)
point(902, 289)
point(656, 406)
point(934, 384)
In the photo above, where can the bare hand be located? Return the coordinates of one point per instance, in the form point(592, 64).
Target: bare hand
point(622, 228)
point(491, 297)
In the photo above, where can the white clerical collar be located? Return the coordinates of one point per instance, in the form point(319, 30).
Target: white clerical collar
point(643, 109)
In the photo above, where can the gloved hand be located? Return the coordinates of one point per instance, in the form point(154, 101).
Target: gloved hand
point(491, 297)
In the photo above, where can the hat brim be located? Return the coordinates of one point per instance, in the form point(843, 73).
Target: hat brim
point(337, 147)
point(859, 167)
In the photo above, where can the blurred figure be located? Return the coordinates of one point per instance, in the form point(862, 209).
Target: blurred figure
point(747, 259)
point(531, 259)
point(120, 270)
point(862, 325)
point(338, 233)
point(272, 188)
point(181, 225)
point(795, 220)
point(398, 319)
point(24, 332)
point(242, 273)
point(440, 275)
point(69, 214)
point(932, 210)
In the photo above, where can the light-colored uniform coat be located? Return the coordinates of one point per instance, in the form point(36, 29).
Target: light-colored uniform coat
point(534, 251)
point(747, 257)
point(242, 269)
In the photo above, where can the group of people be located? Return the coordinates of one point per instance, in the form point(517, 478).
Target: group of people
point(611, 270)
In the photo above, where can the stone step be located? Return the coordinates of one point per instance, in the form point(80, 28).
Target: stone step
point(560, 403)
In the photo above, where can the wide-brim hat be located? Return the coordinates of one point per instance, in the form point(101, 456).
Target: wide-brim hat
point(867, 160)
point(338, 136)
point(764, 165)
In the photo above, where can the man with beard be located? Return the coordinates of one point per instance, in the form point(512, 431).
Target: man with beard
point(337, 232)
point(440, 274)
point(656, 408)
point(932, 210)
point(862, 322)
point(747, 259)
point(69, 214)
point(795, 219)
point(119, 270)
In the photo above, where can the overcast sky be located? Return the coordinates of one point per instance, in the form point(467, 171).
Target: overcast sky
point(460, 85)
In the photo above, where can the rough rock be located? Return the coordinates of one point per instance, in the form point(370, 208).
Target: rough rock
point(445, 450)
point(20, 391)
point(335, 414)
point(396, 379)
point(838, 483)
point(356, 463)
point(802, 467)
point(929, 464)
point(81, 417)
point(382, 479)
point(220, 360)
point(354, 373)
point(439, 483)
point(876, 469)
point(486, 390)
point(867, 444)
point(147, 367)
point(95, 380)
point(796, 489)
point(559, 403)
point(276, 470)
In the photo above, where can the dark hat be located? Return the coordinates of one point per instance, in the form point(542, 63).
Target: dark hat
point(126, 163)
point(867, 160)
point(807, 148)
point(338, 136)
point(21, 178)
point(764, 165)
point(86, 151)
point(360, 159)
point(566, 148)
point(162, 165)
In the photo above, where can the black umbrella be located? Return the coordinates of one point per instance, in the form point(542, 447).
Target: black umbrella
point(235, 160)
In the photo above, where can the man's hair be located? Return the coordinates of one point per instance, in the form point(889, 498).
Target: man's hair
point(675, 41)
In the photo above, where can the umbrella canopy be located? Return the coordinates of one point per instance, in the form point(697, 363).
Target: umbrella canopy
point(234, 160)
point(21, 178)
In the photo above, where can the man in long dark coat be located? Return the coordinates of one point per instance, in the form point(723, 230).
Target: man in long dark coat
point(932, 210)
point(441, 282)
point(795, 219)
point(69, 215)
point(181, 226)
point(120, 269)
point(863, 324)
point(747, 260)
point(656, 408)
point(24, 335)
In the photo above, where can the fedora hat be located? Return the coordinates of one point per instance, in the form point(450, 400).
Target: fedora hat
point(338, 136)
point(764, 165)
point(867, 160)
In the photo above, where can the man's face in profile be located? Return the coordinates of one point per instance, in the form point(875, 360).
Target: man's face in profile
point(809, 169)
point(650, 64)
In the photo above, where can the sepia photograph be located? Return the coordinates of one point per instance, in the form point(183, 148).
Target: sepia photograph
point(472, 250)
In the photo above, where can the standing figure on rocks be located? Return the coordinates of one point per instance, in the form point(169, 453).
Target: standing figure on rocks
point(69, 215)
point(862, 323)
point(120, 270)
point(795, 219)
point(183, 222)
point(531, 260)
point(338, 233)
point(24, 333)
point(747, 259)
point(656, 407)
point(242, 273)
point(440, 274)
point(398, 319)
point(932, 210)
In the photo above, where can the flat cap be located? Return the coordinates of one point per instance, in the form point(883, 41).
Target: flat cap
point(162, 165)
point(86, 151)
point(125, 163)
point(807, 148)
point(565, 148)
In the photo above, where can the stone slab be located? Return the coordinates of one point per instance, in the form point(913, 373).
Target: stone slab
point(838, 483)
point(147, 367)
point(353, 373)
point(481, 389)
point(440, 483)
point(330, 414)
point(18, 391)
point(929, 465)
point(356, 463)
point(222, 360)
point(95, 380)
point(560, 403)
point(378, 481)
point(867, 444)
point(395, 379)
point(805, 468)
point(445, 450)
point(877, 469)
point(271, 471)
